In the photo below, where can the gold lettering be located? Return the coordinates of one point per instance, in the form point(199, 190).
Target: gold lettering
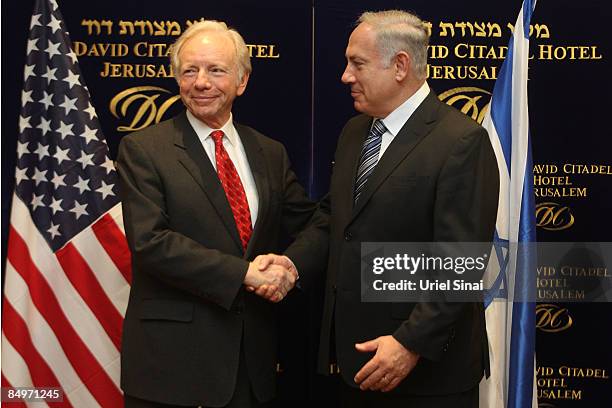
point(560, 192)
point(147, 112)
point(449, 72)
point(545, 51)
point(461, 72)
point(138, 49)
point(559, 394)
point(459, 47)
point(581, 372)
point(559, 53)
point(145, 49)
point(437, 51)
point(136, 71)
point(546, 270)
point(115, 70)
point(594, 53)
point(551, 318)
point(100, 49)
point(551, 383)
point(567, 270)
point(571, 52)
point(472, 51)
point(544, 371)
point(545, 168)
point(587, 169)
point(104, 73)
point(551, 283)
point(272, 55)
point(551, 181)
point(80, 48)
point(560, 294)
point(262, 51)
point(127, 71)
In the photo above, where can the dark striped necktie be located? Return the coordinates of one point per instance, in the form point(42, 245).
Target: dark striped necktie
point(369, 156)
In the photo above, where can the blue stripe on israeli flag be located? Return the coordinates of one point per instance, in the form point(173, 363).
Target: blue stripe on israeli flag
point(511, 323)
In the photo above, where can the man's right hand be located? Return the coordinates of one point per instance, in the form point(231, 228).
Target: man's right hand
point(271, 276)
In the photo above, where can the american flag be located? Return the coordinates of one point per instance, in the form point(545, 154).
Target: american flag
point(68, 265)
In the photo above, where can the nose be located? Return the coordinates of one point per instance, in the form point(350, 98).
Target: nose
point(347, 76)
point(202, 81)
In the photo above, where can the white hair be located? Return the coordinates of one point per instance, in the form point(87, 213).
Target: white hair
point(398, 30)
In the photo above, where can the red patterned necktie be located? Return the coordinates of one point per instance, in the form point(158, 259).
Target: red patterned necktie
point(234, 191)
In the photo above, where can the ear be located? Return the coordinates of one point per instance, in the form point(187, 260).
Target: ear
point(243, 84)
point(402, 65)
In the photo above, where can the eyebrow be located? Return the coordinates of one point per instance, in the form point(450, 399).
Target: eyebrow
point(356, 58)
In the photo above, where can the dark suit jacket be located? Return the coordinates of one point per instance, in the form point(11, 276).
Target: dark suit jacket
point(188, 311)
point(438, 181)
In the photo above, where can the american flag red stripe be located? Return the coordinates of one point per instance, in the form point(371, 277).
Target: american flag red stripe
point(7, 384)
point(89, 370)
point(17, 333)
point(14, 365)
point(85, 282)
point(68, 266)
point(112, 238)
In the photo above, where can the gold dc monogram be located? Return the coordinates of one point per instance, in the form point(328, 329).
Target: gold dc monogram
point(467, 104)
point(553, 217)
point(144, 98)
point(552, 318)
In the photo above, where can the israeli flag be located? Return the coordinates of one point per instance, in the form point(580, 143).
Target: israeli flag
point(510, 278)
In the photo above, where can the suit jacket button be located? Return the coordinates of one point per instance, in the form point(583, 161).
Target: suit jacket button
point(334, 289)
point(348, 236)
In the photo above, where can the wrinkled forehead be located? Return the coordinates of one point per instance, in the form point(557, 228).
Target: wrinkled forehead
point(362, 42)
point(218, 43)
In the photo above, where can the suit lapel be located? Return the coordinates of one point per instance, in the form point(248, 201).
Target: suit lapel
point(257, 163)
point(193, 157)
point(414, 130)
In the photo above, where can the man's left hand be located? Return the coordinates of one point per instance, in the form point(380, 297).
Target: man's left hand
point(389, 366)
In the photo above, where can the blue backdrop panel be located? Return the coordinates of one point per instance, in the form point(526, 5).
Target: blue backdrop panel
point(568, 112)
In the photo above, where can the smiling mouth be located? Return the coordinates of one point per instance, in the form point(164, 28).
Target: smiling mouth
point(203, 98)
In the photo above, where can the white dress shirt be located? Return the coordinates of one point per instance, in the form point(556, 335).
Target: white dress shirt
point(398, 118)
point(235, 150)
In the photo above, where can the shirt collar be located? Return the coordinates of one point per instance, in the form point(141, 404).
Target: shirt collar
point(203, 130)
point(396, 119)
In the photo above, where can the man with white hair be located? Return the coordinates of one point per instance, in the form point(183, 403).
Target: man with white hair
point(203, 198)
point(408, 169)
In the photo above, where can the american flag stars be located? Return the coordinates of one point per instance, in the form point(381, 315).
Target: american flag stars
point(68, 266)
point(64, 174)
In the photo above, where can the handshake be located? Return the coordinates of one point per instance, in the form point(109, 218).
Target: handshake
point(271, 277)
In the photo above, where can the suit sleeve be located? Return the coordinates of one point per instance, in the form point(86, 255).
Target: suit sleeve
point(170, 256)
point(465, 211)
point(308, 225)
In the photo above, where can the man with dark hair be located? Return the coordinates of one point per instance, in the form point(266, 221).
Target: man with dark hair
point(408, 169)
